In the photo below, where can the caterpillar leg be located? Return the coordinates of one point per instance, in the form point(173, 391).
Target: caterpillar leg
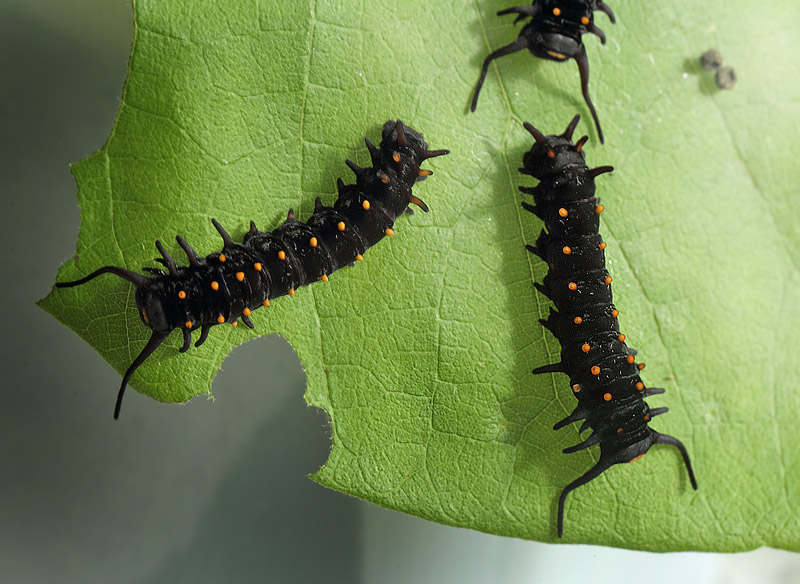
point(551, 368)
point(602, 6)
point(597, 32)
point(523, 12)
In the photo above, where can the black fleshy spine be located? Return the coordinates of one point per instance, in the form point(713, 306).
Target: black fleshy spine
point(554, 32)
point(226, 286)
point(602, 369)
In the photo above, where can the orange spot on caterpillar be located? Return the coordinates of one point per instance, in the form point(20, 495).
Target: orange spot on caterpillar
point(181, 294)
point(222, 258)
point(622, 338)
point(595, 370)
point(246, 311)
point(567, 250)
point(389, 232)
point(607, 396)
point(640, 386)
point(577, 320)
point(599, 209)
point(144, 316)
point(188, 324)
point(425, 172)
point(586, 348)
point(312, 242)
point(640, 366)
point(576, 388)
point(647, 418)
point(359, 257)
point(291, 291)
point(572, 286)
point(563, 212)
point(215, 285)
point(607, 280)
point(266, 302)
point(340, 226)
point(602, 245)
point(619, 430)
point(630, 359)
point(635, 459)
point(396, 156)
point(234, 324)
point(615, 313)
point(365, 204)
point(556, 12)
point(240, 276)
point(257, 266)
point(324, 278)
point(220, 319)
point(584, 20)
point(281, 255)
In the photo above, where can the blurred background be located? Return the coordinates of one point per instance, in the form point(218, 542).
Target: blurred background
point(205, 492)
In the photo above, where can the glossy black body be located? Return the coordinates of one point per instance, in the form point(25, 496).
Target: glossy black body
point(303, 263)
point(226, 286)
point(602, 371)
point(554, 32)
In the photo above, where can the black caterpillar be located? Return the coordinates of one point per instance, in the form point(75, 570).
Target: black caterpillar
point(226, 286)
point(554, 33)
point(602, 369)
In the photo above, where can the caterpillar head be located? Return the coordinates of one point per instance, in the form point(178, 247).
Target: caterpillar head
point(552, 154)
point(403, 150)
point(557, 158)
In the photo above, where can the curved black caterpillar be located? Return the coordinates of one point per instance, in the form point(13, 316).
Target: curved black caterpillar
point(602, 369)
point(554, 33)
point(226, 286)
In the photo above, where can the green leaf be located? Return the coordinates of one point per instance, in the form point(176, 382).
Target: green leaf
point(421, 354)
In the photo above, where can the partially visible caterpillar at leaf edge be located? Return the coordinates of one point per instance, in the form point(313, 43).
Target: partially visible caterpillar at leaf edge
point(554, 33)
point(226, 286)
point(602, 369)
